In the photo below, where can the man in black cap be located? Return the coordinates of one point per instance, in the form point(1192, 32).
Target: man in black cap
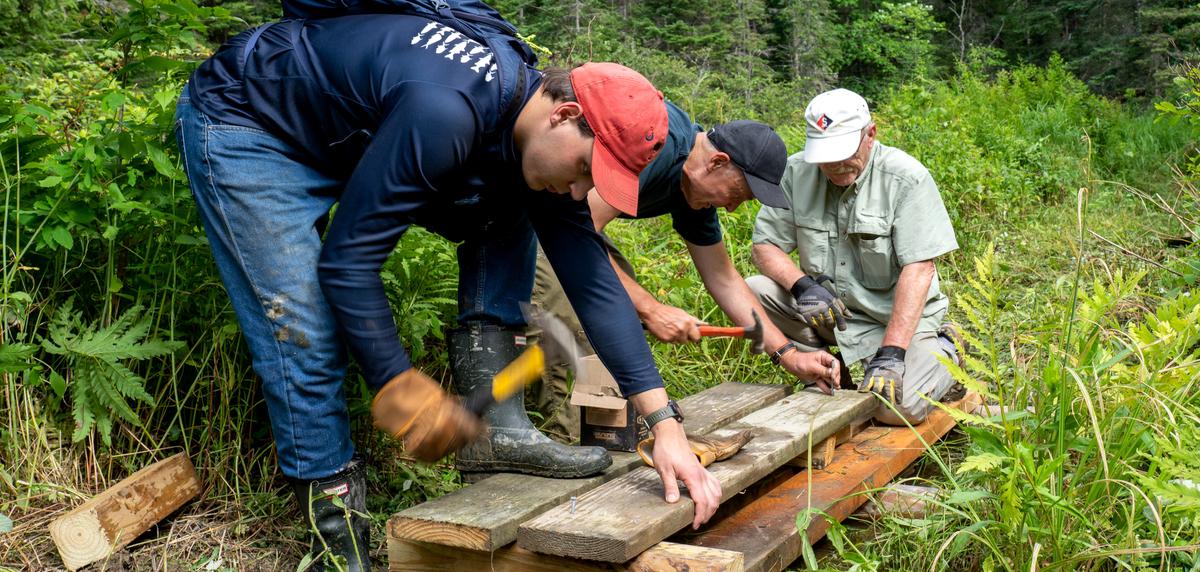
point(695, 173)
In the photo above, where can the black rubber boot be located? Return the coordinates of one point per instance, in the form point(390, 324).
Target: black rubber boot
point(341, 537)
point(512, 444)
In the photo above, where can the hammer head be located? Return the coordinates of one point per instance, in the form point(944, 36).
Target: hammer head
point(557, 341)
point(754, 334)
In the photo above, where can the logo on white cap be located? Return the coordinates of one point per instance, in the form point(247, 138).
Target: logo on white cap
point(835, 119)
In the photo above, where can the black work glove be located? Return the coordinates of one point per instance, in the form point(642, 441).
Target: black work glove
point(819, 308)
point(885, 374)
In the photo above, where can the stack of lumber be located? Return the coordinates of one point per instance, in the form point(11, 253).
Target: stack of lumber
point(619, 520)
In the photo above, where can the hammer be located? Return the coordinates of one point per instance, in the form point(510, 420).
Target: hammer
point(556, 347)
point(753, 334)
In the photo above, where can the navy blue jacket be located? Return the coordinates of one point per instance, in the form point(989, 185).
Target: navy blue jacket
point(411, 115)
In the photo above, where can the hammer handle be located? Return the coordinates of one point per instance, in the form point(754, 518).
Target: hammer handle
point(710, 331)
point(527, 367)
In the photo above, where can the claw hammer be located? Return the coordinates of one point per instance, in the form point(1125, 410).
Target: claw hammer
point(557, 346)
point(752, 334)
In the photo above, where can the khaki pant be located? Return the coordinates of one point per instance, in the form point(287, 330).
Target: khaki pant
point(923, 373)
point(551, 397)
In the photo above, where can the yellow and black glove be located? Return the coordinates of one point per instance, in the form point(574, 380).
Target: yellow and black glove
point(885, 374)
point(817, 305)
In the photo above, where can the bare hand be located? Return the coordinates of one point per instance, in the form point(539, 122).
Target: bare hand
point(672, 325)
point(819, 367)
point(673, 459)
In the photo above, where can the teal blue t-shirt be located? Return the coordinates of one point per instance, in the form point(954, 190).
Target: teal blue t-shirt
point(659, 190)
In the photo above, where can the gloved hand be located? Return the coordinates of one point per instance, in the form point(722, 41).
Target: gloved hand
point(707, 449)
point(412, 407)
point(885, 374)
point(819, 308)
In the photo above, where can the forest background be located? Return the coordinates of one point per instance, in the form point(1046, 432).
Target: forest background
point(1062, 133)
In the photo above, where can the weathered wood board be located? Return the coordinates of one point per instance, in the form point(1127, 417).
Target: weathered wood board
point(112, 519)
point(618, 520)
point(899, 499)
point(414, 556)
point(485, 515)
point(765, 529)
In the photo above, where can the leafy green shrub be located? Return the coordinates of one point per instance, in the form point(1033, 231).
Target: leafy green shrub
point(1090, 463)
point(100, 382)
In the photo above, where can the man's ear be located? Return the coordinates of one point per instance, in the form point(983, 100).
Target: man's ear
point(565, 111)
point(717, 160)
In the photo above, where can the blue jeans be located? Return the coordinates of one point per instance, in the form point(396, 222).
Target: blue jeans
point(264, 212)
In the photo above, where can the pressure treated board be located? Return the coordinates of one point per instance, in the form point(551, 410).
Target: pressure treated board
point(765, 529)
point(618, 520)
point(485, 515)
point(115, 517)
point(414, 556)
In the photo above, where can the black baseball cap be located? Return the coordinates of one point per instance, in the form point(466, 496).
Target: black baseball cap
point(759, 151)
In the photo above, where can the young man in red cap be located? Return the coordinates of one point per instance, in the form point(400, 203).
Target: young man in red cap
point(400, 120)
point(697, 172)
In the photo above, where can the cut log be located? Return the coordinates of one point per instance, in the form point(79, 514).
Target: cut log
point(413, 556)
point(765, 530)
point(485, 515)
point(618, 520)
point(111, 520)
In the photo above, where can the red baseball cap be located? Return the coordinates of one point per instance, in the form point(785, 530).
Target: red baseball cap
point(629, 119)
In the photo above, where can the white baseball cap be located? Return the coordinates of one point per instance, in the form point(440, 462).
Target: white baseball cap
point(835, 121)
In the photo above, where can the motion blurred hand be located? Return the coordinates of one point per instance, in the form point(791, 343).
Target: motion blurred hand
point(673, 459)
point(672, 325)
point(413, 408)
point(819, 367)
point(817, 305)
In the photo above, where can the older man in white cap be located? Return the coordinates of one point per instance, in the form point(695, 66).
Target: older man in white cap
point(867, 223)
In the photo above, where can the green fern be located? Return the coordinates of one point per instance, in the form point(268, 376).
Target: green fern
point(101, 385)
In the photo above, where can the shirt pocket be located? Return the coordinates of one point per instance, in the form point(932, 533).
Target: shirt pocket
point(812, 246)
point(872, 242)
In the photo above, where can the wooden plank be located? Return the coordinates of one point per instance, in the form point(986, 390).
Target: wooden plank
point(485, 516)
point(618, 520)
point(899, 499)
point(820, 456)
point(414, 556)
point(671, 557)
point(112, 519)
point(765, 530)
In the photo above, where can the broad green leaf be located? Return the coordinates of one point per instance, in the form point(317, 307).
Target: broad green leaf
point(58, 384)
point(16, 357)
point(966, 496)
point(981, 462)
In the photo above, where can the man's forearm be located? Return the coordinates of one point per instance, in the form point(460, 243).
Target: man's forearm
point(775, 264)
point(731, 293)
point(912, 289)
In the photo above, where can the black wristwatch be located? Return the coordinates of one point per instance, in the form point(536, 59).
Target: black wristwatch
point(671, 410)
point(785, 348)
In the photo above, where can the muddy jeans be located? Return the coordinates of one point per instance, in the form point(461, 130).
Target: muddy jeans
point(923, 373)
point(551, 396)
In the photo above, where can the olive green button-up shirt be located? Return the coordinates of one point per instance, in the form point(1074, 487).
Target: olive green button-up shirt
point(861, 236)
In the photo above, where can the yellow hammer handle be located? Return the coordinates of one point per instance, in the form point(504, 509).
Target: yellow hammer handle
point(527, 367)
